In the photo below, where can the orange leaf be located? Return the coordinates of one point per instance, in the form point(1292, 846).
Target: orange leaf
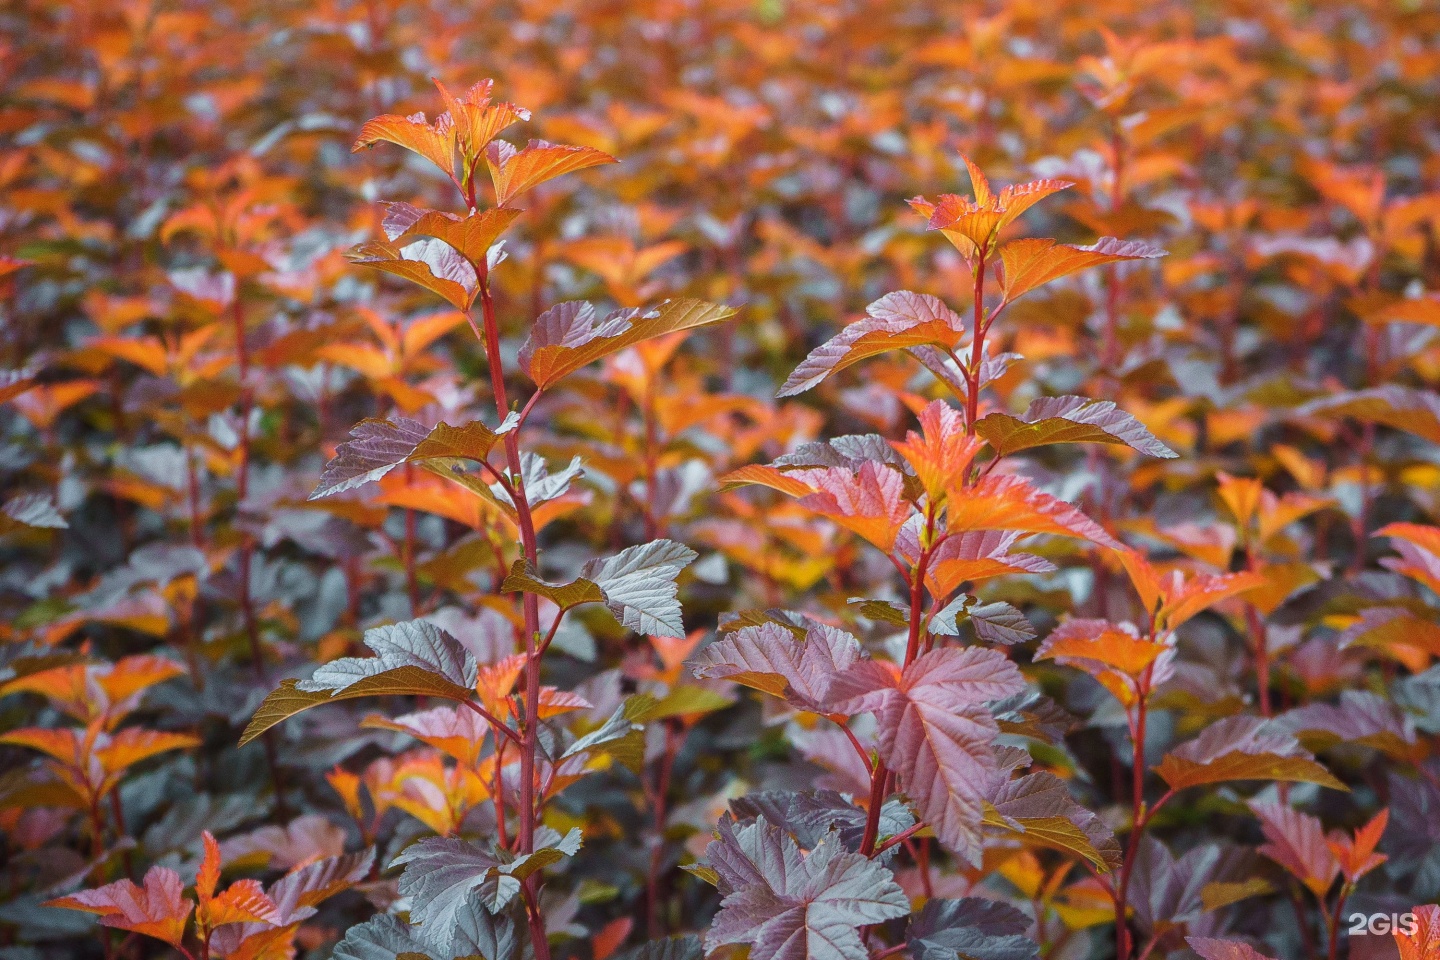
point(942, 456)
point(435, 142)
point(147, 353)
point(1032, 263)
point(516, 171)
point(157, 910)
point(1007, 502)
point(433, 264)
point(134, 744)
point(766, 476)
point(471, 236)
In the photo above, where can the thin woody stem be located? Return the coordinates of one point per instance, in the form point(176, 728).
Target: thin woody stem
point(530, 727)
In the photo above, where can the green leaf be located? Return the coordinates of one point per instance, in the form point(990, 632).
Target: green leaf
point(689, 699)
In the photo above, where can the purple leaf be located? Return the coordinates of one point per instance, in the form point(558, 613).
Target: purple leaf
point(792, 906)
point(896, 321)
point(970, 929)
point(769, 657)
point(935, 734)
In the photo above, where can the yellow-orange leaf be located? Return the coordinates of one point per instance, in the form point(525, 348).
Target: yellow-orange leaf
point(516, 171)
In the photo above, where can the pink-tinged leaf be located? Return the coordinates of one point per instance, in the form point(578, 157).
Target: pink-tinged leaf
point(935, 734)
point(476, 119)
point(1051, 420)
point(305, 839)
point(971, 225)
point(793, 906)
point(457, 731)
point(1242, 748)
point(244, 901)
point(376, 447)
point(1423, 943)
point(870, 502)
point(1041, 807)
point(430, 263)
point(1032, 263)
point(1203, 592)
point(948, 372)
point(470, 236)
point(570, 335)
point(968, 224)
point(1356, 855)
point(1360, 718)
point(896, 321)
point(516, 171)
point(1399, 631)
point(1114, 654)
point(1402, 408)
point(974, 556)
point(307, 886)
point(158, 909)
point(1296, 841)
point(1211, 949)
point(1019, 197)
point(942, 455)
point(769, 657)
point(1419, 551)
point(1008, 502)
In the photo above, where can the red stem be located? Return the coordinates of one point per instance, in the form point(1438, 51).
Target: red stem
point(530, 727)
point(977, 345)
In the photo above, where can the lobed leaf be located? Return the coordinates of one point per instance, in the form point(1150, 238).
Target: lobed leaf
point(769, 657)
point(934, 733)
point(793, 906)
point(639, 585)
point(158, 909)
point(972, 928)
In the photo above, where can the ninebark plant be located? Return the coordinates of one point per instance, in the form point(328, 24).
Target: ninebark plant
point(521, 753)
point(947, 515)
